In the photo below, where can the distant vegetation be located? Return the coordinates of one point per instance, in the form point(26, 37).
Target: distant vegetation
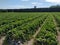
point(56, 6)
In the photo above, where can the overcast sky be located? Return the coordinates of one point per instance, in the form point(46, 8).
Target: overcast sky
point(11, 4)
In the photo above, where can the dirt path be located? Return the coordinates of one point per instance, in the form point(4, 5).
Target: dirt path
point(2, 40)
point(57, 28)
point(33, 39)
point(58, 37)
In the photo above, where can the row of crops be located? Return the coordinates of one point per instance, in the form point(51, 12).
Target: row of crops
point(48, 33)
point(25, 32)
point(57, 18)
point(20, 27)
point(9, 26)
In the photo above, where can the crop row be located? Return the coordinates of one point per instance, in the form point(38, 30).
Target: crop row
point(4, 29)
point(25, 32)
point(57, 18)
point(13, 18)
point(47, 34)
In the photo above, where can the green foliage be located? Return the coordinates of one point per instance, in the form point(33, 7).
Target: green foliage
point(22, 26)
point(56, 6)
point(47, 35)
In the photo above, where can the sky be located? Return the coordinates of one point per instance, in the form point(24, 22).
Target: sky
point(17, 4)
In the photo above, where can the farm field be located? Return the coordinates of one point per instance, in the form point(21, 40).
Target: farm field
point(30, 28)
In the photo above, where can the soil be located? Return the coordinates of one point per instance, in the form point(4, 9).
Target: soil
point(2, 40)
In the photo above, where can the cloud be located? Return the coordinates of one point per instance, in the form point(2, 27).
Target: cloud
point(36, 3)
point(24, 0)
point(53, 1)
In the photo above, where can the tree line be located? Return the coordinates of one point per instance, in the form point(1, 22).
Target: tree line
point(50, 9)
